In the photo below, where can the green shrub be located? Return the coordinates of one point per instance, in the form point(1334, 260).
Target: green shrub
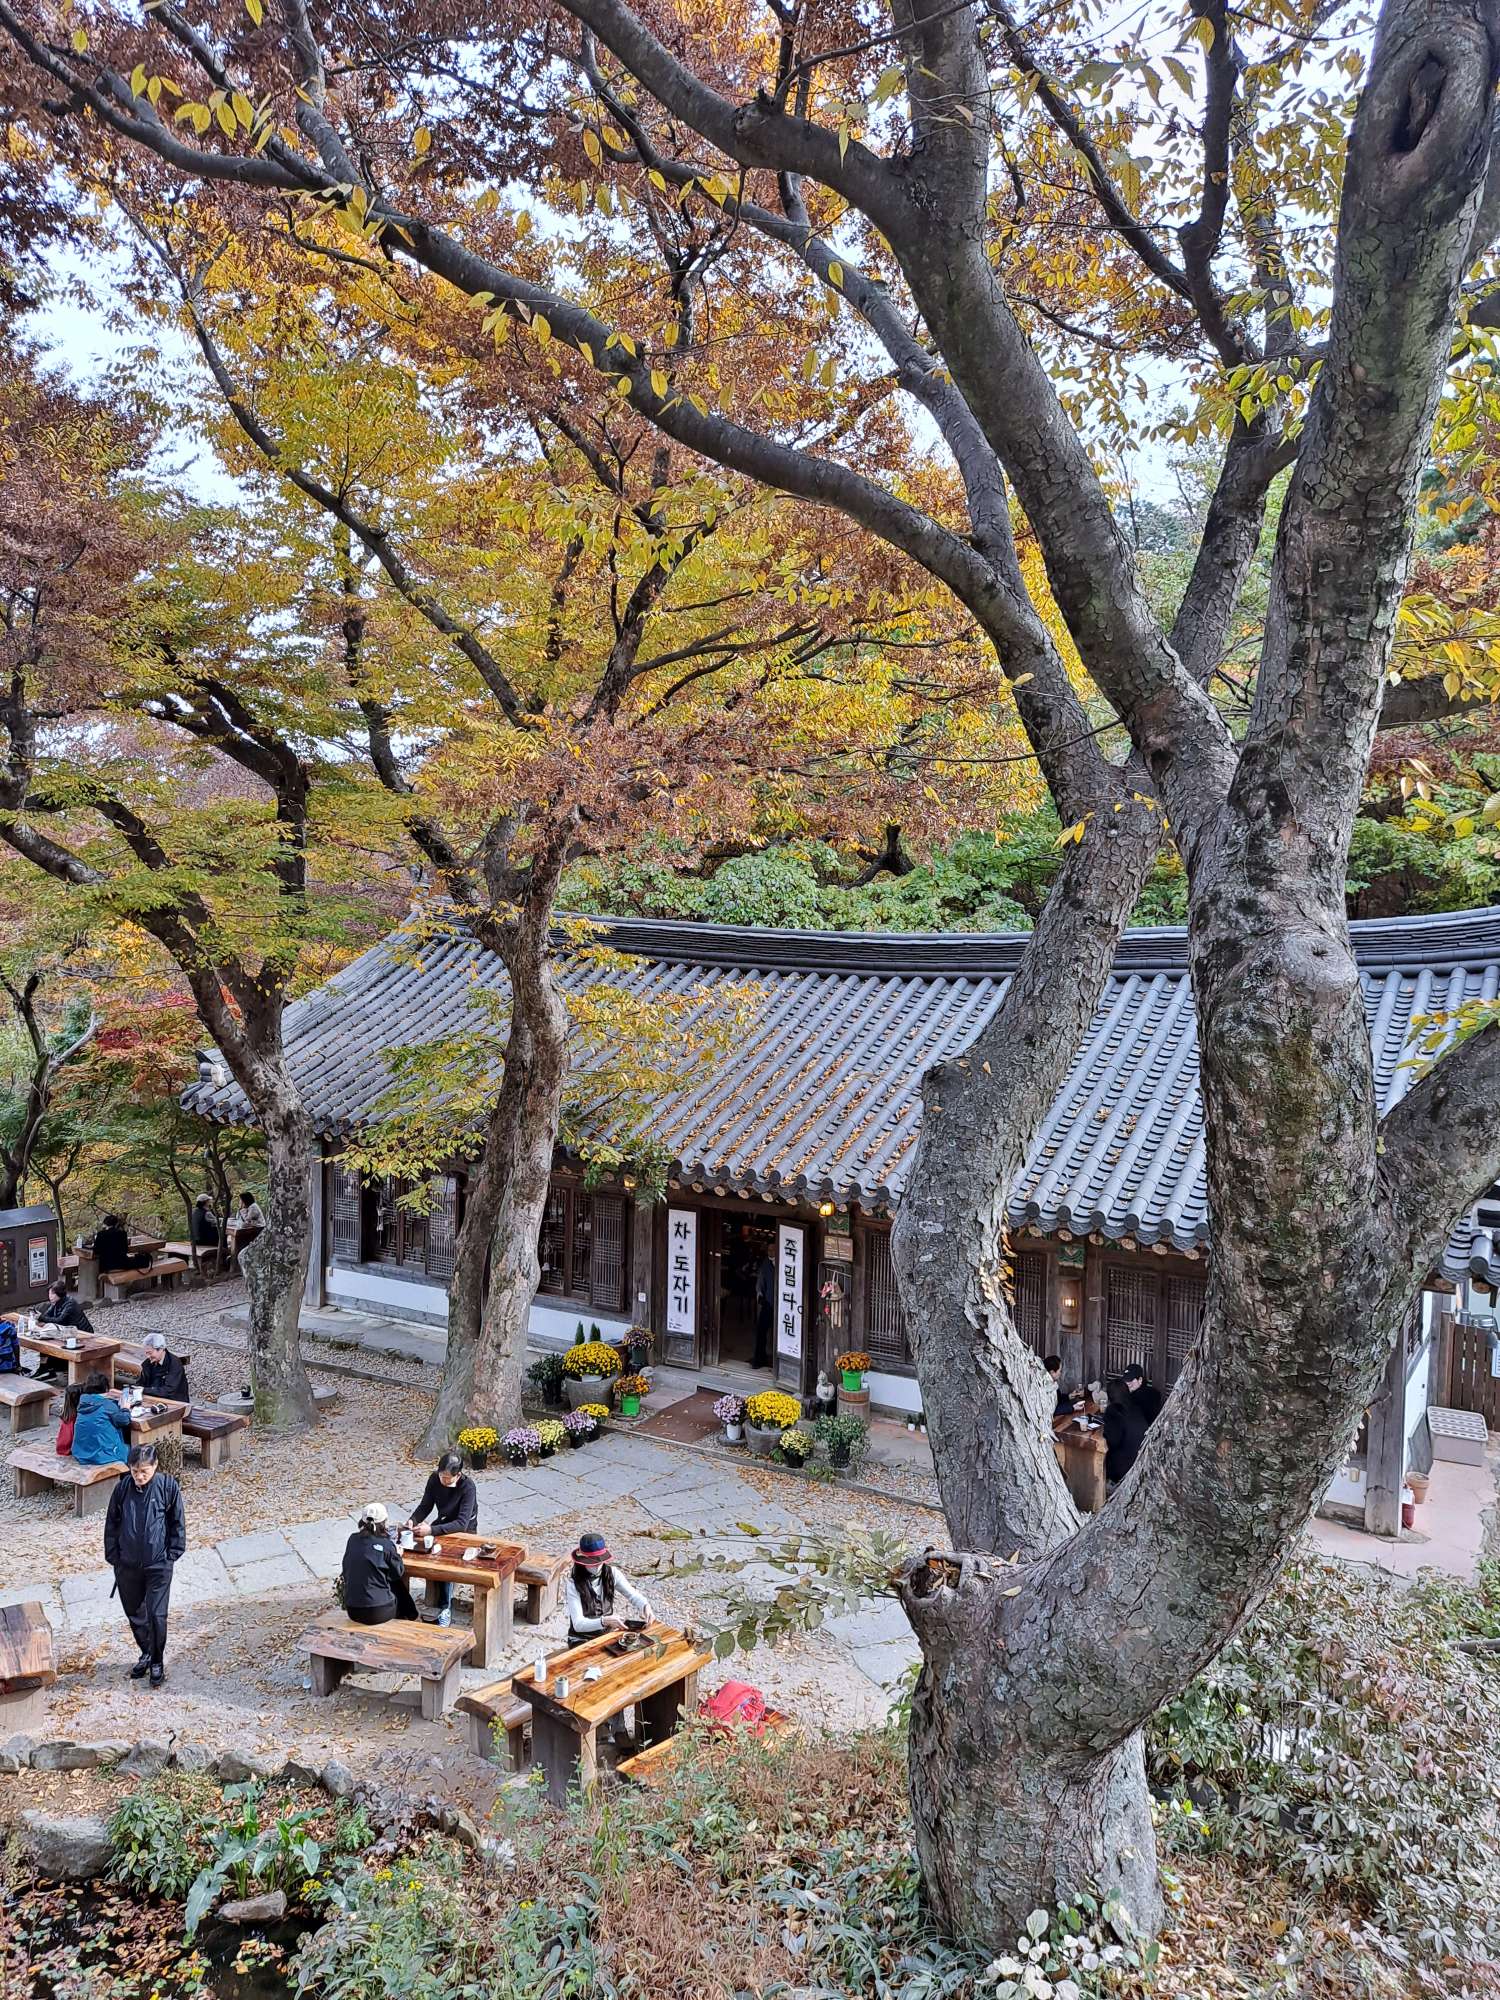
point(1342, 1739)
point(398, 1933)
point(158, 1833)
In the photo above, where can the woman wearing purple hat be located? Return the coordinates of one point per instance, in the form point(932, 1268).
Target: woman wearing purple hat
point(593, 1585)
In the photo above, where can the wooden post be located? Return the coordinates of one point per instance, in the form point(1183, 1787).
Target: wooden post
point(315, 1286)
point(1385, 1451)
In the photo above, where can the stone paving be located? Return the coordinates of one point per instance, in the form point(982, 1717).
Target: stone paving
point(706, 1500)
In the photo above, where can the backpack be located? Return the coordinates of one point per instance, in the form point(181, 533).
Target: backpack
point(735, 1702)
point(10, 1348)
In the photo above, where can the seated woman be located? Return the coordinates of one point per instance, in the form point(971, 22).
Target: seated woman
point(62, 1311)
point(593, 1586)
point(374, 1576)
point(101, 1430)
point(69, 1419)
point(453, 1502)
point(162, 1374)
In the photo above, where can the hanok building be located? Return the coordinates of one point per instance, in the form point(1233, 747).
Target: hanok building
point(796, 1145)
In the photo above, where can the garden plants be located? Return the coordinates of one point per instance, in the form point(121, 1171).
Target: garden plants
point(852, 1366)
point(521, 1445)
point(846, 1439)
point(478, 1441)
point(631, 1390)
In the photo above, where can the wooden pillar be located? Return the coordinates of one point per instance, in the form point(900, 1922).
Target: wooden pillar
point(1093, 1316)
point(315, 1286)
point(642, 1301)
point(1385, 1453)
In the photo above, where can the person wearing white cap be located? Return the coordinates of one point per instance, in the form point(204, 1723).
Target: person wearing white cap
point(373, 1574)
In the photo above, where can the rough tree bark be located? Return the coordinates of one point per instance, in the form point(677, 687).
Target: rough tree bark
point(275, 1264)
point(16, 1153)
point(1048, 1643)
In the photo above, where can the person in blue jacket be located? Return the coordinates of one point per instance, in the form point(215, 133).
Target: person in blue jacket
point(101, 1435)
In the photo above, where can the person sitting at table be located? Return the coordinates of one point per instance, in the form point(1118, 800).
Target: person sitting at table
point(69, 1419)
point(373, 1574)
point(1067, 1403)
point(61, 1310)
point(162, 1373)
point(1145, 1395)
point(593, 1585)
point(101, 1430)
point(249, 1221)
point(203, 1224)
point(452, 1500)
point(112, 1248)
point(1124, 1429)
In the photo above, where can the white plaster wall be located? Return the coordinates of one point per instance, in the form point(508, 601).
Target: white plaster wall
point(1347, 1489)
point(356, 1287)
point(555, 1326)
point(894, 1392)
point(1416, 1398)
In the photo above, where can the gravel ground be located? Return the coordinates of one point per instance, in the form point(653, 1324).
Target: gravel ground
point(234, 1676)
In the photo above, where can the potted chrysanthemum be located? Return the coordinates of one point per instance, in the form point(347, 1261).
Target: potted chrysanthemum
point(579, 1428)
point(768, 1415)
point(631, 1389)
point(730, 1411)
point(852, 1367)
point(589, 1366)
point(478, 1440)
point(551, 1436)
point(521, 1445)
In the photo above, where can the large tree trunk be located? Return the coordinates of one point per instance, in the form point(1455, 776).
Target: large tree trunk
point(275, 1264)
point(495, 1265)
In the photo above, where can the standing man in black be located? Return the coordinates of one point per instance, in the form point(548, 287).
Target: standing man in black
point(1124, 1428)
point(765, 1309)
point(145, 1533)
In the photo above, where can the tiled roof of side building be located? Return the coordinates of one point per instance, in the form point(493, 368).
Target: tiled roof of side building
point(822, 1094)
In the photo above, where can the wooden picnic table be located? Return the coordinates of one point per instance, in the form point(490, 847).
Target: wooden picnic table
point(92, 1353)
point(26, 1663)
point(157, 1417)
point(491, 1582)
point(658, 1679)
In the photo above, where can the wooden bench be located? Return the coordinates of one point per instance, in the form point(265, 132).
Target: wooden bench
point(647, 1766)
point(434, 1653)
point(168, 1269)
point(488, 1711)
point(220, 1433)
point(26, 1664)
point(26, 1401)
point(36, 1469)
point(539, 1586)
point(131, 1355)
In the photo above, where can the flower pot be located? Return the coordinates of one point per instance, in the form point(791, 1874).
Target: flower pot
point(763, 1440)
point(854, 1380)
point(838, 1457)
point(1419, 1482)
point(734, 1433)
point(546, 1451)
point(553, 1397)
point(585, 1389)
point(478, 1460)
point(576, 1440)
point(630, 1406)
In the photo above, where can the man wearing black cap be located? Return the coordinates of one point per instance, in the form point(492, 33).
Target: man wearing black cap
point(593, 1585)
point(1124, 1428)
point(1146, 1397)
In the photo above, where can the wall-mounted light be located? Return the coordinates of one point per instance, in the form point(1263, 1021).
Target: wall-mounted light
point(628, 1180)
point(825, 1208)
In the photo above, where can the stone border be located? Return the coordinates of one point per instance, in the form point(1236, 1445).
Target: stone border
point(146, 1758)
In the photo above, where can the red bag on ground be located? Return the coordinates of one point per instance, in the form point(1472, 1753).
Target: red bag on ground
point(735, 1702)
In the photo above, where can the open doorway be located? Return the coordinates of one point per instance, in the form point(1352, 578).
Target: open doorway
point(747, 1292)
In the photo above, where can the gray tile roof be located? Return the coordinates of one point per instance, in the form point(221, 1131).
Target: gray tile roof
point(821, 1096)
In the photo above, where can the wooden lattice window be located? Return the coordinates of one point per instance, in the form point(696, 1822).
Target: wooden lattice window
point(1130, 1303)
point(1030, 1300)
point(552, 1245)
point(345, 1209)
point(884, 1334)
point(582, 1248)
point(442, 1229)
point(1185, 1300)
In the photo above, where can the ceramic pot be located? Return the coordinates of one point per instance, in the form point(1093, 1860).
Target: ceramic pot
point(763, 1440)
point(585, 1389)
point(734, 1433)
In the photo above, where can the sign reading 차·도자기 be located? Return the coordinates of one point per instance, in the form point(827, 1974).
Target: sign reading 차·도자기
point(682, 1270)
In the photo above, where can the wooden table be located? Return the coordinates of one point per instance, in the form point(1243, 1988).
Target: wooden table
point(491, 1582)
point(659, 1680)
point(92, 1353)
point(150, 1425)
point(1081, 1456)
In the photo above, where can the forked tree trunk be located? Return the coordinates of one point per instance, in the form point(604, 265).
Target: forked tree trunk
point(495, 1265)
point(275, 1264)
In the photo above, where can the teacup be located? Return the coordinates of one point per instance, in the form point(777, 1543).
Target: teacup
point(71, 1341)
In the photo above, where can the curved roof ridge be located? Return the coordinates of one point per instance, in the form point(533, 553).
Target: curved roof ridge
point(1459, 937)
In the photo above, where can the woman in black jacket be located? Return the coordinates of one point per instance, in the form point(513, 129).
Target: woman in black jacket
point(374, 1576)
point(452, 1500)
